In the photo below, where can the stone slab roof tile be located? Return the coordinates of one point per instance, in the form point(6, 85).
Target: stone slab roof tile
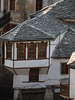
point(45, 26)
point(49, 21)
point(25, 32)
point(66, 46)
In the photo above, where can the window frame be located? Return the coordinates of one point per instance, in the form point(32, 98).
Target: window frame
point(24, 51)
point(65, 64)
point(42, 50)
point(38, 6)
point(31, 72)
point(31, 51)
point(13, 6)
point(8, 51)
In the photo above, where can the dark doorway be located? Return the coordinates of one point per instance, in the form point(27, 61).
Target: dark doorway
point(58, 97)
point(33, 95)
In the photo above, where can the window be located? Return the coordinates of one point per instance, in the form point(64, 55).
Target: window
point(34, 75)
point(38, 5)
point(21, 51)
point(64, 68)
point(32, 51)
point(9, 50)
point(42, 50)
point(12, 4)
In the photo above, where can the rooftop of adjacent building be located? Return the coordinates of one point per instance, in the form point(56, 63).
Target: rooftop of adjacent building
point(48, 25)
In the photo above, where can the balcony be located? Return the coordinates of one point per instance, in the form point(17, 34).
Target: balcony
point(64, 88)
point(5, 19)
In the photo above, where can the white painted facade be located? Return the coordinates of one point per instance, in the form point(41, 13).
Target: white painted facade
point(72, 83)
point(54, 73)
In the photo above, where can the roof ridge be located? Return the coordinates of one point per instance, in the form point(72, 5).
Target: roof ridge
point(39, 30)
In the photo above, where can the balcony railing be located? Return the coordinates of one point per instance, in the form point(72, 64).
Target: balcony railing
point(5, 19)
point(64, 88)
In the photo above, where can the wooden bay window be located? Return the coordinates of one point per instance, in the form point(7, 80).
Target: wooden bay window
point(34, 75)
point(64, 68)
point(32, 51)
point(21, 49)
point(42, 50)
point(9, 50)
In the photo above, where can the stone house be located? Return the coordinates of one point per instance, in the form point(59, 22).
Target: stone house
point(12, 13)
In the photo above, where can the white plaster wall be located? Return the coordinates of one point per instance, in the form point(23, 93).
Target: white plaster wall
point(9, 63)
point(42, 77)
point(15, 51)
point(52, 78)
point(5, 50)
point(31, 63)
point(54, 74)
point(72, 83)
point(16, 93)
point(22, 82)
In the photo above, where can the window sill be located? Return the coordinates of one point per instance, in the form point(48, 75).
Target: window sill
point(29, 59)
point(32, 82)
point(64, 74)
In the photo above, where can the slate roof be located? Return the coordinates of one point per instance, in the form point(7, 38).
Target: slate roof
point(66, 46)
point(61, 9)
point(25, 32)
point(47, 25)
point(72, 65)
point(48, 18)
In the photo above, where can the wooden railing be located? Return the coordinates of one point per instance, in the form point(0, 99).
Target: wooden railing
point(64, 90)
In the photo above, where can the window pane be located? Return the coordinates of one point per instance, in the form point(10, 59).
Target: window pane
point(9, 51)
point(20, 51)
point(32, 51)
point(33, 77)
point(64, 68)
point(42, 50)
